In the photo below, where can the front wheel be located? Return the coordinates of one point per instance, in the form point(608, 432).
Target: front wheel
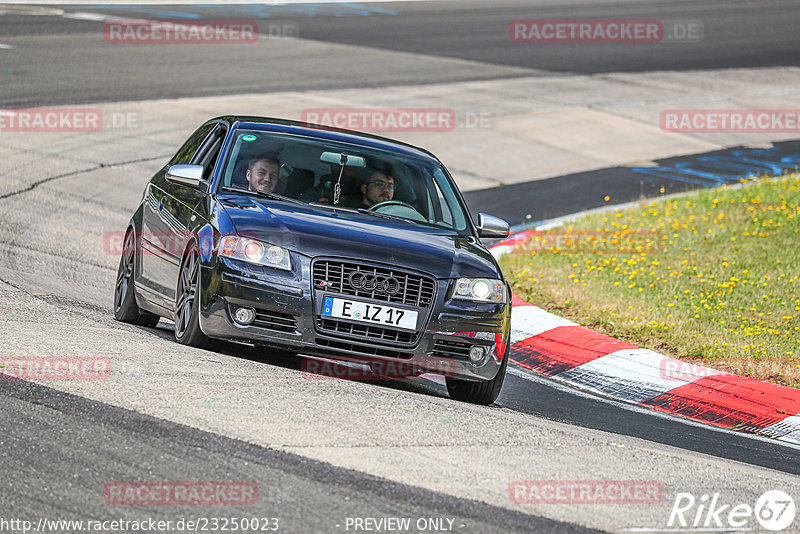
point(125, 307)
point(484, 392)
point(187, 304)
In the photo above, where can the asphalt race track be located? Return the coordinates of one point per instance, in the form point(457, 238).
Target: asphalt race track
point(324, 452)
point(736, 34)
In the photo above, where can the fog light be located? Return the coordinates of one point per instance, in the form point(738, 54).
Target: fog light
point(244, 315)
point(476, 354)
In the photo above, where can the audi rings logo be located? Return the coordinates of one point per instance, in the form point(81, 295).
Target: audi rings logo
point(378, 283)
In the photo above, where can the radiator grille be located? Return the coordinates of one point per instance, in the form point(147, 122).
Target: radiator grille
point(372, 350)
point(334, 276)
point(367, 332)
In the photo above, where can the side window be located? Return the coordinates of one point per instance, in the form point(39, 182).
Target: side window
point(446, 216)
point(187, 151)
point(209, 152)
point(445, 203)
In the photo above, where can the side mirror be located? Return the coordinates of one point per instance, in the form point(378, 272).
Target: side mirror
point(491, 226)
point(188, 175)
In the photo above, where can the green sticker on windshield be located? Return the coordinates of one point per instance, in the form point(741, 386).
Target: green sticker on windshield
point(248, 138)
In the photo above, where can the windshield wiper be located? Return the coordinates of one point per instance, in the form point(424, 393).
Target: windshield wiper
point(265, 194)
point(384, 215)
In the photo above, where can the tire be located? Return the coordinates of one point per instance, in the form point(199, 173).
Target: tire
point(483, 392)
point(187, 308)
point(125, 307)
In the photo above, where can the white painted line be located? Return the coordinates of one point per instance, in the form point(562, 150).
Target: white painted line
point(198, 2)
point(87, 16)
point(529, 321)
point(28, 10)
point(6, 46)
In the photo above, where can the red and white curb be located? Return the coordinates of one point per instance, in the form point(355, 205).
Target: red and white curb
point(562, 350)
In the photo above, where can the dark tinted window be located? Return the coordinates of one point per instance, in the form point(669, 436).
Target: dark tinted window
point(208, 155)
point(187, 151)
point(418, 190)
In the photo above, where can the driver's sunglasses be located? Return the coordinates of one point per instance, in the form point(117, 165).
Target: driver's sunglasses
point(386, 186)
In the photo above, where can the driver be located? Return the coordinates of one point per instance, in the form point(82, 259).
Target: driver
point(379, 186)
point(263, 174)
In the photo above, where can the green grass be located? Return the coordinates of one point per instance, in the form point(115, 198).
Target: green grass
point(710, 277)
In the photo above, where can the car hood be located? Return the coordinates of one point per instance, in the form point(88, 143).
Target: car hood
point(315, 231)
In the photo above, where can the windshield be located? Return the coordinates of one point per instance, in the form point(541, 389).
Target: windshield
point(343, 175)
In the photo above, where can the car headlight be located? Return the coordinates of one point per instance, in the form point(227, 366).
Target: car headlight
point(252, 251)
point(480, 289)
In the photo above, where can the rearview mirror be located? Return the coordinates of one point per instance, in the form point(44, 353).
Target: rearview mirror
point(343, 159)
point(188, 175)
point(491, 226)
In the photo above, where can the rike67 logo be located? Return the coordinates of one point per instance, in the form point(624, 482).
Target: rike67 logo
point(774, 510)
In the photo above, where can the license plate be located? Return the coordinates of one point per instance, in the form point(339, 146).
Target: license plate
point(367, 312)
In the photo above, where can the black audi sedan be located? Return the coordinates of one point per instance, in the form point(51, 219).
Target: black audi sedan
point(319, 241)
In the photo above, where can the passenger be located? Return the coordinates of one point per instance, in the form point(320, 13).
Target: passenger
point(263, 174)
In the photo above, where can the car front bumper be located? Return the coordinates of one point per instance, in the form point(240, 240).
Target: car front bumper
point(288, 317)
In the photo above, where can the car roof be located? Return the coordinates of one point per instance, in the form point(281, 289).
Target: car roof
point(270, 124)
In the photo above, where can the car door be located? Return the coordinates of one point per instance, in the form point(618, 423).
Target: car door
point(184, 210)
point(167, 215)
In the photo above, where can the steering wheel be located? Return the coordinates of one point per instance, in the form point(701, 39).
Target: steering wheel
point(387, 203)
point(398, 208)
